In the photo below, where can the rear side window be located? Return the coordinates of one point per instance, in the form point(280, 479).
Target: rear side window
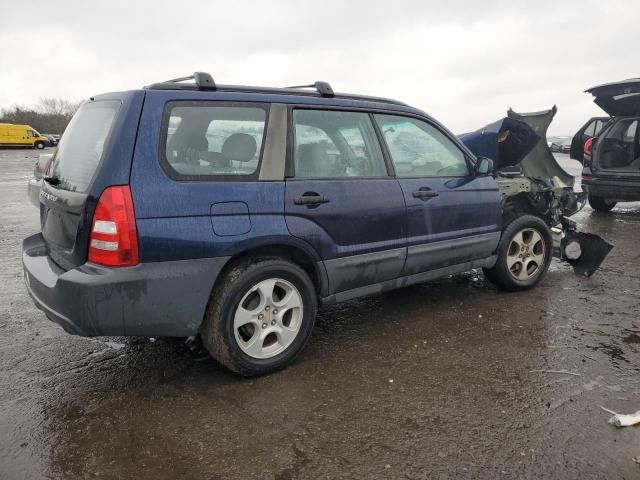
point(335, 144)
point(208, 140)
point(591, 129)
point(599, 125)
point(80, 149)
point(630, 132)
point(623, 132)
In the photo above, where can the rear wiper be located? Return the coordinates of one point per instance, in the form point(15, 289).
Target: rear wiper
point(52, 180)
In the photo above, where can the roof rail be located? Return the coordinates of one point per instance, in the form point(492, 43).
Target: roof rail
point(323, 88)
point(202, 80)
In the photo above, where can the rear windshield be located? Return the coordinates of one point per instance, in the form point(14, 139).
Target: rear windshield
point(80, 148)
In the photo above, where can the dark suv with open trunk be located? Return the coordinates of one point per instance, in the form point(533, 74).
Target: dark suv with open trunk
point(611, 158)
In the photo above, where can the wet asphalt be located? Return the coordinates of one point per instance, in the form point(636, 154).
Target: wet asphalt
point(439, 380)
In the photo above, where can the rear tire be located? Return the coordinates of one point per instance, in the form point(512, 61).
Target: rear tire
point(600, 204)
point(524, 254)
point(260, 316)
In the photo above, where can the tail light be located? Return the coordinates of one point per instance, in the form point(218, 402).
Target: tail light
point(114, 237)
point(588, 145)
point(44, 162)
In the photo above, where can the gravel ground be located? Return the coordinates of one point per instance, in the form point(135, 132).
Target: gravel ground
point(439, 380)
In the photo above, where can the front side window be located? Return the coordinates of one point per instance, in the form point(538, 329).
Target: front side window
point(418, 149)
point(335, 144)
point(214, 140)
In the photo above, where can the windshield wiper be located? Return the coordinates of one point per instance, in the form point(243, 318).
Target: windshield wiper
point(52, 180)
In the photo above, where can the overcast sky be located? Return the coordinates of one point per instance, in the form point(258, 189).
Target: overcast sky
point(463, 62)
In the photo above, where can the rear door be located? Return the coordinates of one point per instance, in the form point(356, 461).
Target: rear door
point(452, 216)
point(589, 130)
point(341, 199)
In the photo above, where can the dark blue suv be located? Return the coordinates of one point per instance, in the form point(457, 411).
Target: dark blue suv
point(187, 209)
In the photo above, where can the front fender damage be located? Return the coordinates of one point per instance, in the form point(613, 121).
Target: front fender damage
point(531, 181)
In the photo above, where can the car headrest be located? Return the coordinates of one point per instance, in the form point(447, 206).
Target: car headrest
point(239, 146)
point(191, 142)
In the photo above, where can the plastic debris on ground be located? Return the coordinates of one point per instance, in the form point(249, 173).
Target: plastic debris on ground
point(621, 420)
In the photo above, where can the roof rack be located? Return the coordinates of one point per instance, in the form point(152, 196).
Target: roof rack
point(323, 88)
point(204, 81)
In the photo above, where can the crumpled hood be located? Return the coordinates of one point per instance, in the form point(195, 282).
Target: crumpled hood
point(506, 142)
point(520, 139)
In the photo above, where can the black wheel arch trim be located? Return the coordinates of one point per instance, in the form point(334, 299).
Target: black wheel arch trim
point(283, 245)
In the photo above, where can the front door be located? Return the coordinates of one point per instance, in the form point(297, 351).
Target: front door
point(341, 199)
point(453, 216)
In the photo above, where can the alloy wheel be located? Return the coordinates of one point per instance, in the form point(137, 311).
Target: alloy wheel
point(268, 318)
point(526, 254)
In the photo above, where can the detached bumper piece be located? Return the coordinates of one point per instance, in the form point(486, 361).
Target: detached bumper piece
point(585, 252)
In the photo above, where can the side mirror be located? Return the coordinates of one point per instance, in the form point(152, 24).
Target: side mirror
point(484, 167)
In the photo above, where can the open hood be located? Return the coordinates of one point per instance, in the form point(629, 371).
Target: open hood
point(540, 163)
point(520, 139)
point(618, 98)
point(506, 142)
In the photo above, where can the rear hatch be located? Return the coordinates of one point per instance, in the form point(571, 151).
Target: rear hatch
point(95, 152)
point(618, 98)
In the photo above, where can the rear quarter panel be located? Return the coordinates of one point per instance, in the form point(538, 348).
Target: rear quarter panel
point(174, 216)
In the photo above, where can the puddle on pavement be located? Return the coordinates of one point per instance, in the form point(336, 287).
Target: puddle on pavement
point(613, 351)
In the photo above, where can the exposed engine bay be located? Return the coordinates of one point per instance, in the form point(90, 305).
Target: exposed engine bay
point(531, 181)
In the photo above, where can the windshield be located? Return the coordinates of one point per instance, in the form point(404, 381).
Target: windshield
point(80, 150)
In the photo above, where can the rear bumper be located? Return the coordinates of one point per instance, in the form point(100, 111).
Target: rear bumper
point(150, 299)
point(617, 190)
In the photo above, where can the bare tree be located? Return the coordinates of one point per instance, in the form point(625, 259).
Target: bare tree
point(58, 106)
point(50, 116)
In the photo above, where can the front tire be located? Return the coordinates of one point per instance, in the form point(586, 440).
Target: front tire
point(260, 316)
point(600, 204)
point(39, 145)
point(524, 254)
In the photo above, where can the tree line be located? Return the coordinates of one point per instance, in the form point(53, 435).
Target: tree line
point(51, 115)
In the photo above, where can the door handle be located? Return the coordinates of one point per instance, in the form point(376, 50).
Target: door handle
point(311, 200)
point(425, 193)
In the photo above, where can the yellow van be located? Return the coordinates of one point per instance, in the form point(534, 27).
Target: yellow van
point(21, 136)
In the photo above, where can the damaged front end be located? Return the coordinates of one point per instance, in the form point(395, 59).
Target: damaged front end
point(531, 181)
